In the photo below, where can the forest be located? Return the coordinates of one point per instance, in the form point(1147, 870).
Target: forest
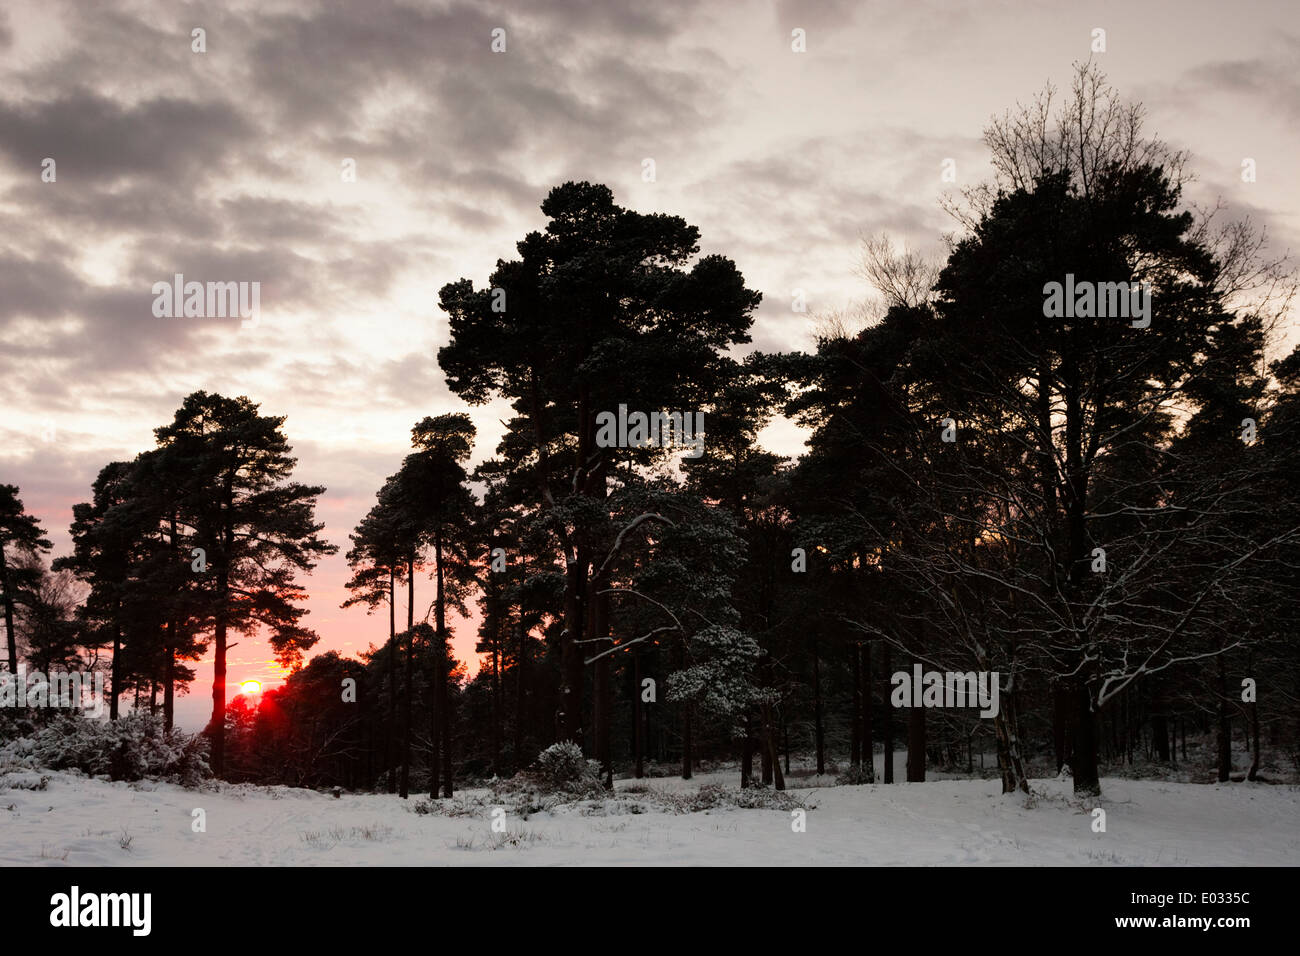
point(1101, 515)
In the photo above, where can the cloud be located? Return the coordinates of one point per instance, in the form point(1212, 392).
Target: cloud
point(1271, 80)
point(95, 139)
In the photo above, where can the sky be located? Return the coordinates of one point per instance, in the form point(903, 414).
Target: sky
point(228, 165)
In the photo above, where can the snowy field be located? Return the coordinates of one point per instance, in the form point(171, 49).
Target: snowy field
point(79, 821)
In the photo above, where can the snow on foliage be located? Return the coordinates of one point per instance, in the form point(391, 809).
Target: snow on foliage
point(134, 747)
point(720, 678)
point(563, 767)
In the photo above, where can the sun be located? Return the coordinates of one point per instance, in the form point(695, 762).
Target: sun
point(251, 687)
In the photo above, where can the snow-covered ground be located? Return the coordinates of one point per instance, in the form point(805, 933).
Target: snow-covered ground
point(81, 821)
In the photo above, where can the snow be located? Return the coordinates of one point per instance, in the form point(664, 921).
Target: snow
point(81, 821)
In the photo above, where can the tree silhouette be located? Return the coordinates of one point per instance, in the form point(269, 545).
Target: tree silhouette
point(19, 533)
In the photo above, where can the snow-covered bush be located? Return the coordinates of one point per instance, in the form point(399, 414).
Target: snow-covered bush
point(709, 797)
point(132, 748)
point(562, 768)
point(461, 805)
point(715, 796)
point(855, 776)
point(22, 780)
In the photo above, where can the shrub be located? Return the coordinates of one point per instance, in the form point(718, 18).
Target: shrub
point(715, 796)
point(131, 748)
point(855, 775)
point(562, 768)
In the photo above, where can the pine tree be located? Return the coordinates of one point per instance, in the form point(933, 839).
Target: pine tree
point(378, 563)
point(104, 532)
point(19, 534)
point(598, 311)
point(437, 486)
point(257, 528)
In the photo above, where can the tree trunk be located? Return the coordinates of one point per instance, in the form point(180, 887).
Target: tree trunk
point(217, 726)
point(571, 653)
point(435, 722)
point(686, 741)
point(439, 733)
point(603, 691)
point(116, 671)
point(448, 770)
point(521, 680)
point(638, 728)
point(169, 675)
point(218, 723)
point(785, 741)
point(405, 789)
point(771, 760)
point(889, 720)
point(819, 730)
point(1006, 730)
point(916, 745)
point(1253, 773)
point(497, 699)
point(765, 754)
point(868, 743)
point(1087, 781)
point(1224, 730)
point(169, 680)
point(747, 753)
point(855, 727)
point(11, 639)
point(390, 738)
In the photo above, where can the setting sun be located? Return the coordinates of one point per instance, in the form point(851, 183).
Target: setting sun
point(251, 687)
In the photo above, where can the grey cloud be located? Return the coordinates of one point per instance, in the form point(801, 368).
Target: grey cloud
point(95, 139)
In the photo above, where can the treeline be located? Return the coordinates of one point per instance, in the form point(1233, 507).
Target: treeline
point(1101, 512)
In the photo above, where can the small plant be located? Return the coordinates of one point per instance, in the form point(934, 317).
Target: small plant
point(516, 838)
point(124, 841)
point(462, 805)
point(561, 768)
point(856, 776)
